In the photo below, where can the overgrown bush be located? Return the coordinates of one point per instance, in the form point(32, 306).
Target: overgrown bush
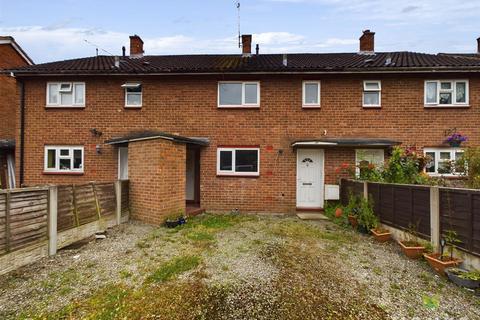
point(469, 166)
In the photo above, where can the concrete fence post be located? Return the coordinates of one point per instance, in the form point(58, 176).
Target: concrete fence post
point(52, 219)
point(118, 198)
point(365, 189)
point(435, 217)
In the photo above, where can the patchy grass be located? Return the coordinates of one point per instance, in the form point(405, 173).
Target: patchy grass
point(173, 268)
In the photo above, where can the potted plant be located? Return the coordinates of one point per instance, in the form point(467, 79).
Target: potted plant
point(366, 217)
point(352, 209)
point(464, 278)
point(441, 261)
point(410, 245)
point(381, 234)
point(455, 139)
point(175, 220)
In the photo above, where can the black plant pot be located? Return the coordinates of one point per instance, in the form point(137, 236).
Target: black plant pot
point(362, 229)
point(455, 278)
point(182, 220)
point(171, 224)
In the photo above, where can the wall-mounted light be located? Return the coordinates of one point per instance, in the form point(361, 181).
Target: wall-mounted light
point(98, 149)
point(95, 132)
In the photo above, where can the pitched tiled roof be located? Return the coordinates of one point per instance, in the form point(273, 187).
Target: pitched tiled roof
point(307, 62)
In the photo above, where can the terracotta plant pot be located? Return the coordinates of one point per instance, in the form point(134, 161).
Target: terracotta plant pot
point(439, 265)
point(381, 235)
point(338, 212)
point(353, 221)
point(413, 252)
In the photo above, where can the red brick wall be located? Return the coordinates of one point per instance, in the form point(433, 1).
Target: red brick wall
point(188, 106)
point(9, 58)
point(157, 186)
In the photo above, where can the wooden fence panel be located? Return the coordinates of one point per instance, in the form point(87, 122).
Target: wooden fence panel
point(66, 218)
point(460, 211)
point(350, 187)
point(105, 193)
point(125, 197)
point(85, 203)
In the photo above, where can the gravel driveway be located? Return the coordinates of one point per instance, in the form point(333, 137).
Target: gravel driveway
point(233, 267)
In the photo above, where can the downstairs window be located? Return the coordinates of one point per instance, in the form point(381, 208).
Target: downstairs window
point(63, 159)
point(442, 161)
point(238, 161)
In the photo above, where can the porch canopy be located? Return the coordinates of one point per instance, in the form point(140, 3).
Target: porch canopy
point(150, 135)
point(346, 142)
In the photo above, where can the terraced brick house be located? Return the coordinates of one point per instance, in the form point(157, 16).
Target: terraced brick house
point(251, 132)
point(11, 56)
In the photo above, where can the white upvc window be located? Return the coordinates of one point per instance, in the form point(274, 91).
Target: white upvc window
point(442, 161)
point(244, 161)
point(63, 159)
point(133, 94)
point(446, 93)
point(65, 94)
point(311, 94)
point(372, 93)
point(365, 157)
point(234, 94)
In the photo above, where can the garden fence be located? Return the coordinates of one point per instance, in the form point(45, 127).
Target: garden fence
point(35, 222)
point(430, 210)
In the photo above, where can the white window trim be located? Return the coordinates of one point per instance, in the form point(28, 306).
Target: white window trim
point(73, 105)
point(310, 105)
point(233, 172)
point(379, 90)
point(243, 105)
point(57, 159)
point(437, 160)
point(454, 94)
point(133, 85)
point(357, 160)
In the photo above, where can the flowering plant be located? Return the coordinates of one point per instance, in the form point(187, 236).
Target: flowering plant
point(456, 138)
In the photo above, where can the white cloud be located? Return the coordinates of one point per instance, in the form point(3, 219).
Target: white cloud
point(58, 43)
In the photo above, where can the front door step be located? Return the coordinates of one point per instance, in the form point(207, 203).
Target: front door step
point(311, 216)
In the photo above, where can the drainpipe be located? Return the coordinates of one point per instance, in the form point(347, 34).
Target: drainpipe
point(22, 130)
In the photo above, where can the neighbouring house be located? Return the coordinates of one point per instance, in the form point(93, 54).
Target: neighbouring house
point(11, 56)
point(251, 132)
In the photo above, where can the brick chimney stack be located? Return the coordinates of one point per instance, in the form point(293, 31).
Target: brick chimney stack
point(136, 47)
point(246, 45)
point(367, 42)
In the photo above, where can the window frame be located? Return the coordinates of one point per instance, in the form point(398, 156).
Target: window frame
point(379, 90)
point(232, 172)
point(72, 88)
point(357, 162)
point(311, 105)
point(128, 85)
point(243, 105)
point(455, 104)
point(57, 169)
point(437, 151)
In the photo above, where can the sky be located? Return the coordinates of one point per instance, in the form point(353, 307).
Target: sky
point(50, 30)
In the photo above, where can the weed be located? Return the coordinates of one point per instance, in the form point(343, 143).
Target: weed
point(173, 268)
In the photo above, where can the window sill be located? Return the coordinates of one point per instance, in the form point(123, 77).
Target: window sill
point(446, 106)
point(64, 107)
point(371, 106)
point(239, 107)
point(238, 175)
point(447, 176)
point(311, 106)
point(133, 107)
point(62, 173)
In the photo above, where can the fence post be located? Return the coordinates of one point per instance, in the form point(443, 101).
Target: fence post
point(118, 198)
point(7, 221)
point(435, 217)
point(365, 189)
point(52, 219)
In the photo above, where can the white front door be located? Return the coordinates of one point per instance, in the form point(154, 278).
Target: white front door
point(310, 178)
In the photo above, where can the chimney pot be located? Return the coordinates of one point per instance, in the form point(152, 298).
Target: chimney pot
point(123, 51)
point(367, 42)
point(246, 45)
point(136, 47)
point(478, 45)
point(257, 49)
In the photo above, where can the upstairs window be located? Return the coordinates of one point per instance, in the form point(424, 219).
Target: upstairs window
point(238, 161)
point(133, 94)
point(311, 94)
point(66, 94)
point(442, 161)
point(238, 94)
point(446, 93)
point(372, 93)
point(63, 159)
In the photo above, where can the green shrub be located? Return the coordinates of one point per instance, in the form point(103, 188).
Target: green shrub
point(366, 216)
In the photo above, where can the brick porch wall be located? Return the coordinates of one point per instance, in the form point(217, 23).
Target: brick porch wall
point(156, 170)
